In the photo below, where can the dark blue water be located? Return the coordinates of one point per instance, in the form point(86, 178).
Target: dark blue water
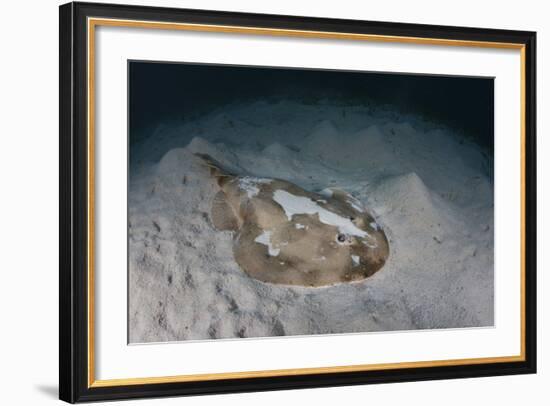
point(161, 92)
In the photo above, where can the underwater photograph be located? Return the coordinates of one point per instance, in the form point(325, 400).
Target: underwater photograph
point(268, 201)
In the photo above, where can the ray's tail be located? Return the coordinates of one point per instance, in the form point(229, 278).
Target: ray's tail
point(218, 170)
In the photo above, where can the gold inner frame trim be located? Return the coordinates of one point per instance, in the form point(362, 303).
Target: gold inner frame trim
point(94, 22)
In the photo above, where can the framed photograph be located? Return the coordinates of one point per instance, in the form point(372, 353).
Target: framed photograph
point(257, 202)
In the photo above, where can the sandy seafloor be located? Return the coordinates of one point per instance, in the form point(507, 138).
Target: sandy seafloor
point(429, 187)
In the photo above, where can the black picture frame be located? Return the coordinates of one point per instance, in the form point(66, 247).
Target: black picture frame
point(74, 385)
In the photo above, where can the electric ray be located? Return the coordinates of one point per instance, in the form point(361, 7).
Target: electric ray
point(286, 235)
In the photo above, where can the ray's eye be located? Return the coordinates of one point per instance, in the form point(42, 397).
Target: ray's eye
point(352, 218)
point(341, 238)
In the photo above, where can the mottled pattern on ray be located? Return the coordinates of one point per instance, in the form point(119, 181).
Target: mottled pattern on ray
point(286, 235)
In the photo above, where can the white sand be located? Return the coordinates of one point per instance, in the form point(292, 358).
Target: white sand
point(429, 188)
point(292, 205)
